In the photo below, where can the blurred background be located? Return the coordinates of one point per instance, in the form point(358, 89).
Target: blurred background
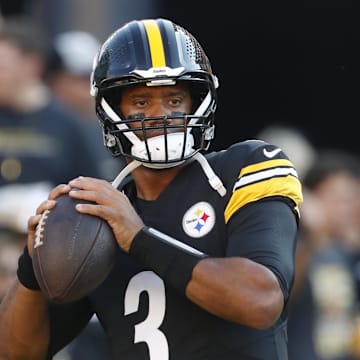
point(289, 74)
point(287, 62)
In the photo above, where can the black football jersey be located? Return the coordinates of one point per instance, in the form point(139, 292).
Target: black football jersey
point(145, 318)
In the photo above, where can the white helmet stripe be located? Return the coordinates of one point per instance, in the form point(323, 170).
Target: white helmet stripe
point(202, 108)
point(121, 126)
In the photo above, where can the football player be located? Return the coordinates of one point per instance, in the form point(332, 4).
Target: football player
point(206, 239)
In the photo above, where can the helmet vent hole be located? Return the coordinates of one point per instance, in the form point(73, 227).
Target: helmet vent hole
point(193, 48)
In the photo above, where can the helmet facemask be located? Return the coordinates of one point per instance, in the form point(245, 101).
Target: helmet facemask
point(182, 135)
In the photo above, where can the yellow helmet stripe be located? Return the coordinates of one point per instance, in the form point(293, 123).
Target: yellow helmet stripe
point(155, 43)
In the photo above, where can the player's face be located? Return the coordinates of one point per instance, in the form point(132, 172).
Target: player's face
point(155, 101)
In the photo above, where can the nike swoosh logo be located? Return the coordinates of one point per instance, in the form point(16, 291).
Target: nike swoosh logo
point(272, 153)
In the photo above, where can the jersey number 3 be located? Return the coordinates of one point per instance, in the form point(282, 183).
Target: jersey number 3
point(148, 330)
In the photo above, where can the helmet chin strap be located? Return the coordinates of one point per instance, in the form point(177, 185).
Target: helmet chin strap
point(161, 148)
point(125, 172)
point(213, 179)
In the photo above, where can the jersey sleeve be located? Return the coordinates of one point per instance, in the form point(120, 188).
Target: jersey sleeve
point(262, 210)
point(264, 172)
point(266, 232)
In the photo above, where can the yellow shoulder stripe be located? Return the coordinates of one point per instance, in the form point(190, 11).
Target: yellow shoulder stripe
point(263, 180)
point(265, 164)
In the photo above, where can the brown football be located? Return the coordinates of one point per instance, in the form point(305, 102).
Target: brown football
point(73, 253)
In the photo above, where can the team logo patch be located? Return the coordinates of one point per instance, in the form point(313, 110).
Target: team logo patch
point(199, 220)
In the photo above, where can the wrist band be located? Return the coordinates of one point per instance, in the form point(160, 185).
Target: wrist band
point(171, 259)
point(25, 271)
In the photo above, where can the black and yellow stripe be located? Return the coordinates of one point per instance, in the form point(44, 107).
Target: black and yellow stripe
point(155, 43)
point(262, 180)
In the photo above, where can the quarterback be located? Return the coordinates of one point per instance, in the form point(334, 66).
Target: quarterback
point(206, 239)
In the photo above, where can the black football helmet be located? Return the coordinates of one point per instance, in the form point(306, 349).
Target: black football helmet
point(154, 52)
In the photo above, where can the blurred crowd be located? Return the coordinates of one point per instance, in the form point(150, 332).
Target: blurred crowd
point(324, 309)
point(49, 134)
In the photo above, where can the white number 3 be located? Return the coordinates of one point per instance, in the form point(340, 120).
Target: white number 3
point(148, 330)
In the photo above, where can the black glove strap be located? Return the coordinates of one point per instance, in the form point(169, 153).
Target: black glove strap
point(171, 259)
point(25, 271)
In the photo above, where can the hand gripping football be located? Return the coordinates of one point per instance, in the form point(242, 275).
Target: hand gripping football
point(73, 253)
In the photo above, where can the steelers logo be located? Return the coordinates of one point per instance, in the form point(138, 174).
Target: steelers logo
point(199, 220)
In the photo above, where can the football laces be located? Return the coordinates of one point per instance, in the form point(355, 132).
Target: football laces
point(40, 229)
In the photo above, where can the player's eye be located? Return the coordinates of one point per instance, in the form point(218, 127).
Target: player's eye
point(140, 103)
point(175, 101)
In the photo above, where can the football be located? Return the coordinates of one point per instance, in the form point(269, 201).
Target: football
point(73, 253)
